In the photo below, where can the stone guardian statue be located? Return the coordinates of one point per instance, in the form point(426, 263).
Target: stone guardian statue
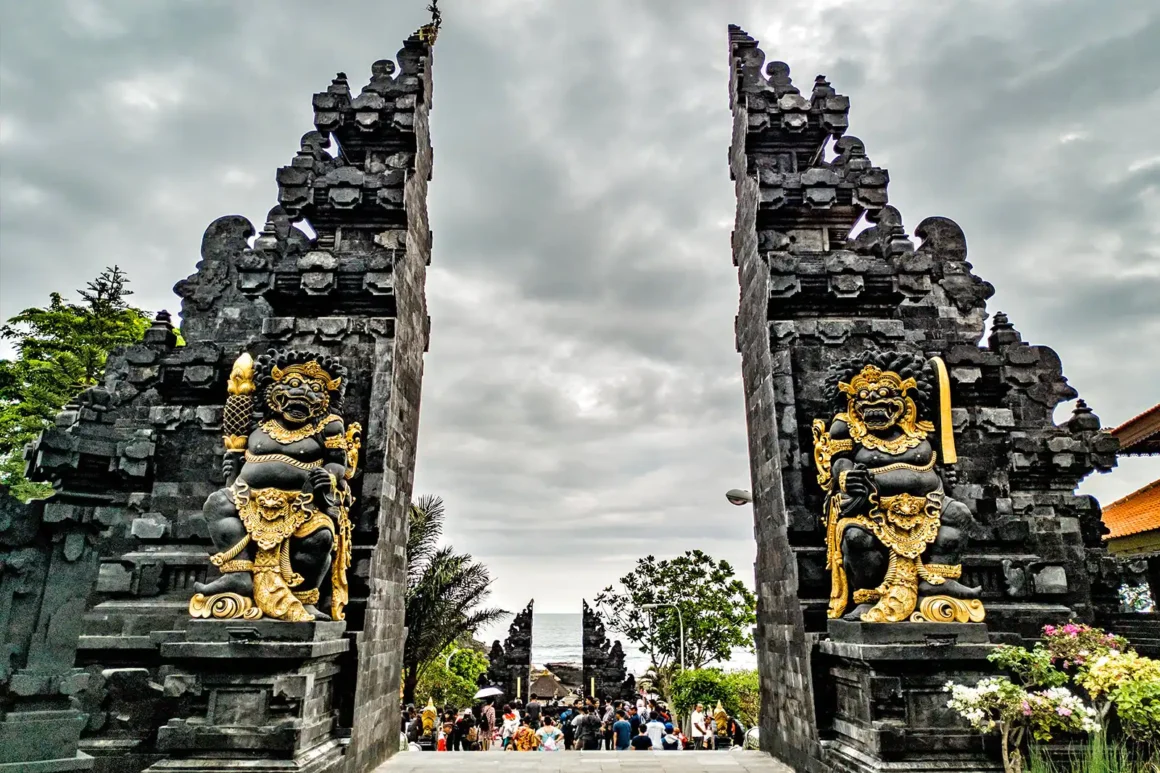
point(894, 539)
point(282, 519)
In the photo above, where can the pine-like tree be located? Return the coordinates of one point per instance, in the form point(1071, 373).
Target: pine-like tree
point(61, 349)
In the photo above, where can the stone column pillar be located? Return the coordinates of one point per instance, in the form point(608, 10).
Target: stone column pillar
point(881, 702)
point(256, 694)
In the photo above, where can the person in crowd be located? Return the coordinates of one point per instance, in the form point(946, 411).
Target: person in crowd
point(636, 719)
point(534, 710)
point(524, 739)
point(451, 728)
point(407, 715)
point(509, 725)
point(621, 732)
point(710, 739)
point(671, 741)
point(566, 717)
point(588, 730)
point(641, 742)
point(414, 725)
point(551, 739)
point(518, 709)
point(486, 725)
point(466, 732)
point(737, 732)
point(607, 718)
point(698, 722)
point(655, 729)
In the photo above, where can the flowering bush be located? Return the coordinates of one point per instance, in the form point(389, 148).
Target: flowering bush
point(1037, 703)
point(1073, 645)
point(997, 703)
point(1130, 683)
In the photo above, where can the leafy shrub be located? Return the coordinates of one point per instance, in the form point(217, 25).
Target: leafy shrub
point(705, 686)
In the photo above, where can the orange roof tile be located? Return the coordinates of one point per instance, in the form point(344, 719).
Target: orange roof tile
point(1139, 433)
point(1135, 513)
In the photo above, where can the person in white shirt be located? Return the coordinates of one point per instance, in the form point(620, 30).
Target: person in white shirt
point(698, 719)
point(656, 731)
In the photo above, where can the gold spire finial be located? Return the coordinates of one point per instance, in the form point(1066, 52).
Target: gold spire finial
point(428, 32)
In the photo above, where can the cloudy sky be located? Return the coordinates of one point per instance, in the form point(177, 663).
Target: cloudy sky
point(582, 403)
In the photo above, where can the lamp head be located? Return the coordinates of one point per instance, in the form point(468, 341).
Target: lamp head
point(738, 496)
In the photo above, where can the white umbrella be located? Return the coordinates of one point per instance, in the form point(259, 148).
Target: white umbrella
point(489, 692)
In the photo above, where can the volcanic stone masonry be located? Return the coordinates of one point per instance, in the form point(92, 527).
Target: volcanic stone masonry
point(510, 663)
point(105, 568)
point(604, 672)
point(811, 295)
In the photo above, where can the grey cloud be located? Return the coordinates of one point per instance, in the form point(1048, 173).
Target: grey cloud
point(582, 402)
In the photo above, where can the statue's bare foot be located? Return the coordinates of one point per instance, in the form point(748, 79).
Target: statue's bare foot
point(241, 583)
point(952, 588)
point(856, 615)
point(313, 610)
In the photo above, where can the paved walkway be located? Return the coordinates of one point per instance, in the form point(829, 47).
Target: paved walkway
point(583, 762)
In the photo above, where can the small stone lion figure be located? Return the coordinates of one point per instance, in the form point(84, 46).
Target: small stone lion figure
point(893, 537)
point(281, 521)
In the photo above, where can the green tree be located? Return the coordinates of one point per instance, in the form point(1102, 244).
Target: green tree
point(445, 594)
point(717, 609)
point(452, 677)
point(61, 349)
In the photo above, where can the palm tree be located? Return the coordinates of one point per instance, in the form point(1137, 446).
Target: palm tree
point(445, 593)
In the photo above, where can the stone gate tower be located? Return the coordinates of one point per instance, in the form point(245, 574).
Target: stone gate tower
point(811, 295)
point(108, 564)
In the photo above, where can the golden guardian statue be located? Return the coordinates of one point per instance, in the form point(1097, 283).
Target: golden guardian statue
point(893, 537)
point(282, 519)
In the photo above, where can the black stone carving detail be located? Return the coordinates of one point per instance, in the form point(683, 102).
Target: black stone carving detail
point(812, 295)
point(49, 568)
point(603, 660)
point(137, 456)
point(510, 664)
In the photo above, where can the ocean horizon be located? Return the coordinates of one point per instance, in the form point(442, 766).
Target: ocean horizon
point(556, 638)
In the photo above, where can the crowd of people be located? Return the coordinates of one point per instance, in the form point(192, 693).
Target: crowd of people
point(589, 725)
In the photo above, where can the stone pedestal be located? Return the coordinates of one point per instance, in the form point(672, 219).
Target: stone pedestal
point(259, 696)
point(880, 699)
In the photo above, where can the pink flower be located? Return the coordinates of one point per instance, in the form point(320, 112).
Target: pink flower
point(1063, 711)
point(1049, 630)
point(1026, 709)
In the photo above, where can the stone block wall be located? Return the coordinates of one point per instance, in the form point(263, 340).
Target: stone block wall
point(380, 644)
point(338, 269)
point(813, 294)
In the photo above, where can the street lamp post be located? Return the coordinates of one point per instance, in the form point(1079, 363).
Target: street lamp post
point(680, 625)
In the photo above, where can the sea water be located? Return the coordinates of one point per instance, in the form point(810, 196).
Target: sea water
point(556, 638)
